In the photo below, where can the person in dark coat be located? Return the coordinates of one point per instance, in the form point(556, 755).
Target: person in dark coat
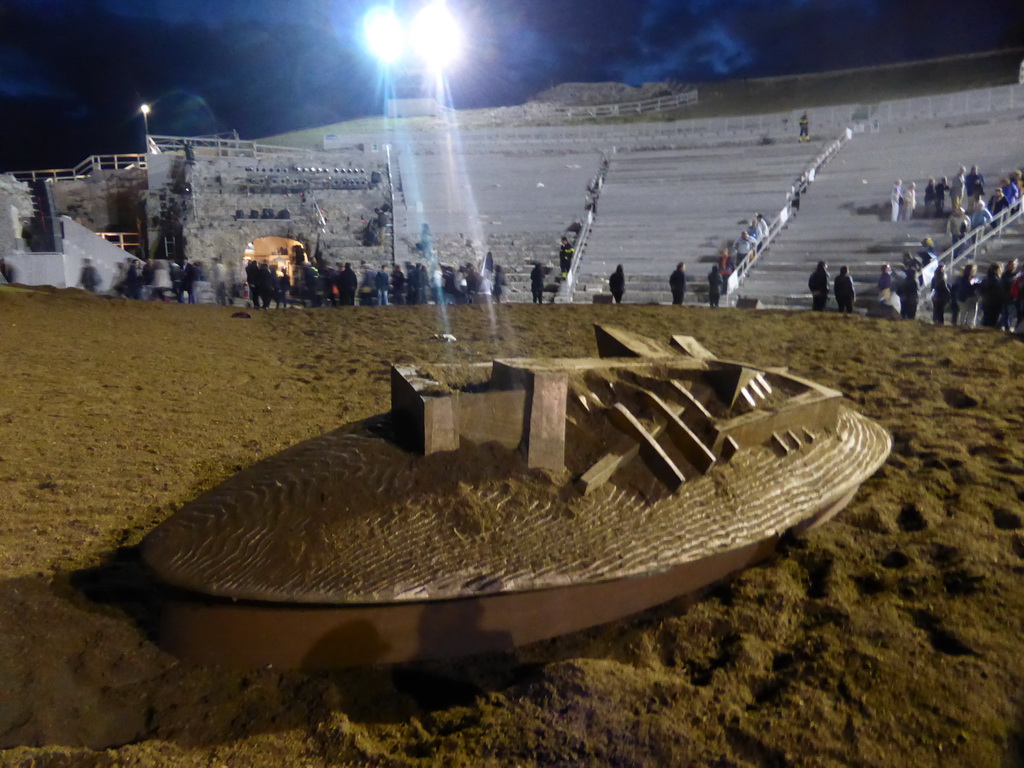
point(941, 295)
point(818, 284)
point(90, 278)
point(282, 287)
point(267, 286)
point(677, 283)
point(413, 284)
point(398, 284)
point(537, 283)
point(714, 286)
point(252, 278)
point(189, 278)
point(844, 290)
point(991, 292)
point(348, 284)
point(617, 284)
point(909, 291)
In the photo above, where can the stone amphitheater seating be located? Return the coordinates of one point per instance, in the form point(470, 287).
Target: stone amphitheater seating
point(845, 218)
point(515, 204)
point(664, 206)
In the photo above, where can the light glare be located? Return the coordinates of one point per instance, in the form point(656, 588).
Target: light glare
point(384, 34)
point(436, 36)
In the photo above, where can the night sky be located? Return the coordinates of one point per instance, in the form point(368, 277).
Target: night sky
point(73, 74)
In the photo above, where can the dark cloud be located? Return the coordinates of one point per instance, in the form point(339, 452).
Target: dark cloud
point(73, 74)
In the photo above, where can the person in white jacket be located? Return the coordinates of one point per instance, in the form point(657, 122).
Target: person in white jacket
point(896, 199)
point(161, 280)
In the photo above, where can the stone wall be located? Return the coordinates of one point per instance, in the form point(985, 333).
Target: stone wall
point(103, 201)
point(15, 210)
point(214, 200)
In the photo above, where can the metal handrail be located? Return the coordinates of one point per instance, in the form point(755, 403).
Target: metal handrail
point(779, 222)
point(967, 248)
point(567, 291)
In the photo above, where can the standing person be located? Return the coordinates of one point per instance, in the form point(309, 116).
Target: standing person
point(398, 284)
point(929, 197)
point(714, 286)
point(844, 290)
point(909, 201)
point(965, 294)
point(991, 292)
point(220, 281)
point(267, 287)
point(380, 282)
point(818, 284)
point(974, 184)
point(161, 280)
point(940, 196)
point(909, 291)
point(725, 265)
point(498, 290)
point(282, 288)
point(805, 128)
point(762, 228)
point(617, 284)
point(133, 281)
point(348, 284)
point(885, 285)
point(89, 279)
point(1008, 318)
point(412, 284)
point(565, 255)
point(743, 247)
point(896, 199)
point(957, 188)
point(537, 283)
point(252, 279)
point(677, 284)
point(189, 278)
point(941, 295)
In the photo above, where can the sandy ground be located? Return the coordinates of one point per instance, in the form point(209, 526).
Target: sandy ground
point(891, 637)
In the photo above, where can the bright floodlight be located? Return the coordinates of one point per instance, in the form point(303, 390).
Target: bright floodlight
point(436, 36)
point(384, 34)
point(144, 109)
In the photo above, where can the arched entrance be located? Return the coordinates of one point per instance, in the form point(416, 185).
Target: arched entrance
point(278, 252)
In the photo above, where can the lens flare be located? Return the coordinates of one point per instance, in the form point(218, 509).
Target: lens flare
point(436, 36)
point(384, 34)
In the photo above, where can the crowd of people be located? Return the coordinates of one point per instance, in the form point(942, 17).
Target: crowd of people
point(371, 286)
point(994, 301)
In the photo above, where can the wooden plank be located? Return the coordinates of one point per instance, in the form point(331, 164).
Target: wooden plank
point(661, 465)
point(604, 468)
point(692, 447)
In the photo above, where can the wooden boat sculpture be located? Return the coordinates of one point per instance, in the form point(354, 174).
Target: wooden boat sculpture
point(502, 504)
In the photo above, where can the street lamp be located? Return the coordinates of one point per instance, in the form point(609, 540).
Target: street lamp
point(144, 109)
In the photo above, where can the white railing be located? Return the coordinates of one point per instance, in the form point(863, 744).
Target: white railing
point(90, 165)
point(966, 250)
point(567, 290)
point(658, 104)
point(221, 147)
point(778, 223)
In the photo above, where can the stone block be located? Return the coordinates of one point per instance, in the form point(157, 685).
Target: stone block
point(749, 304)
point(692, 348)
